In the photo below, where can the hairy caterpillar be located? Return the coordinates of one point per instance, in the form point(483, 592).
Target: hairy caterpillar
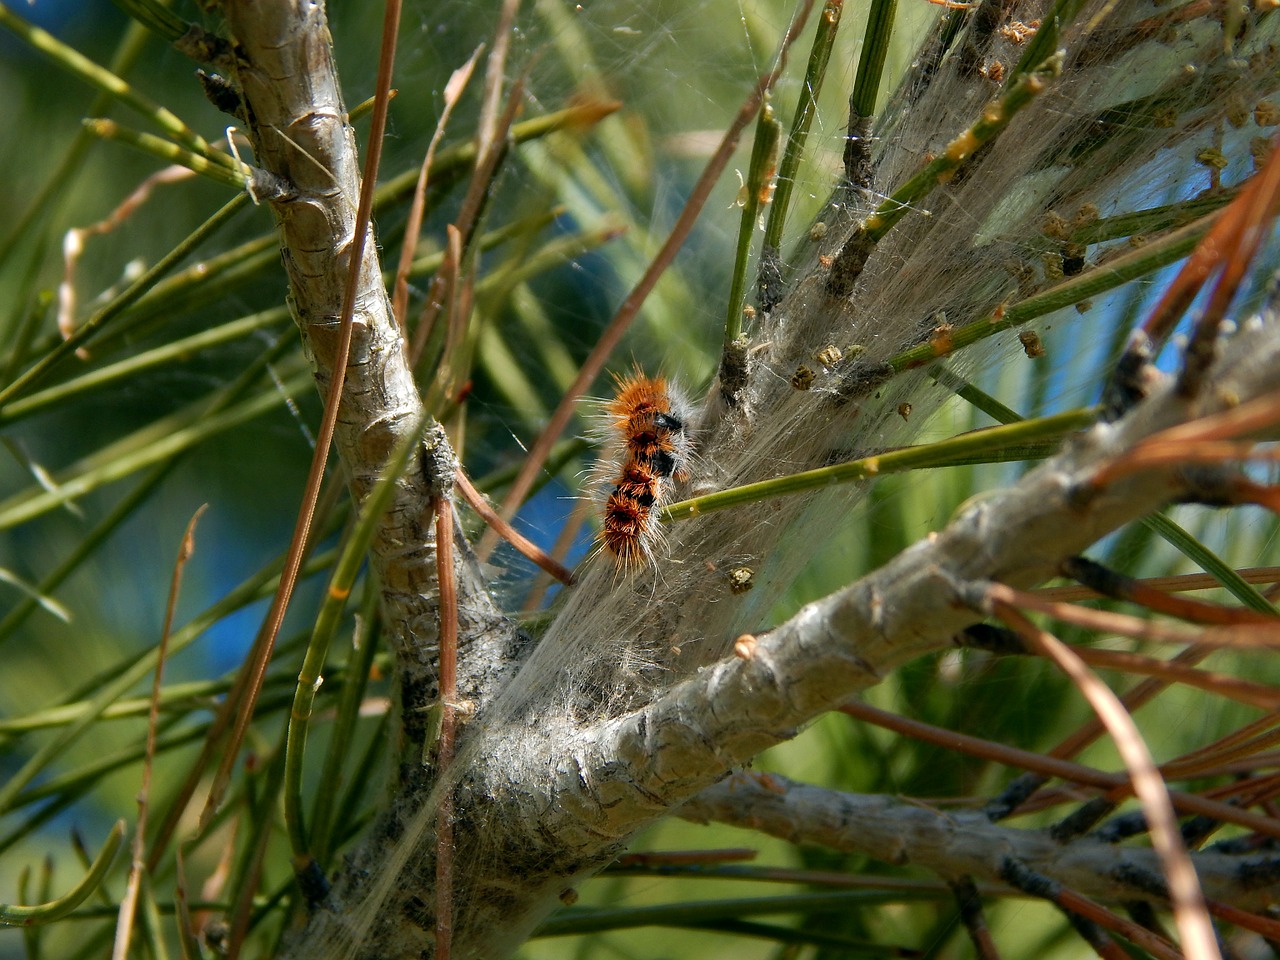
point(651, 453)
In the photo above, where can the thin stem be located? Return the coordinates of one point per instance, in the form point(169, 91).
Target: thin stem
point(528, 548)
point(350, 560)
point(234, 175)
point(55, 909)
point(447, 580)
point(875, 49)
point(137, 868)
point(355, 680)
point(982, 443)
point(806, 107)
point(130, 295)
point(755, 193)
point(85, 69)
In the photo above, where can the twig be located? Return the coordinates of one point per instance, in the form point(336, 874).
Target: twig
point(413, 224)
point(509, 533)
point(1178, 583)
point(129, 902)
point(952, 841)
point(1150, 594)
point(969, 904)
point(1050, 766)
point(1192, 918)
point(1088, 918)
point(448, 696)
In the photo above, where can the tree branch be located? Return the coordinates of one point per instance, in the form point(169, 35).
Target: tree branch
point(560, 805)
point(301, 133)
point(837, 646)
point(954, 843)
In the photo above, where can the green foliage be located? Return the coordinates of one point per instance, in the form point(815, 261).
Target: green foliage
point(193, 389)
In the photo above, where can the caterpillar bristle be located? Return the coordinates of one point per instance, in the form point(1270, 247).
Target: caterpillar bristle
point(653, 453)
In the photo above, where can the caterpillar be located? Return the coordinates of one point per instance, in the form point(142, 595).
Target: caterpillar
point(651, 452)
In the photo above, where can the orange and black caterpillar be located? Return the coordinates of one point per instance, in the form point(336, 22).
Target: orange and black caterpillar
point(651, 454)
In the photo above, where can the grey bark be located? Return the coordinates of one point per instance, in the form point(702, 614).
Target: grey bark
point(955, 843)
point(301, 133)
